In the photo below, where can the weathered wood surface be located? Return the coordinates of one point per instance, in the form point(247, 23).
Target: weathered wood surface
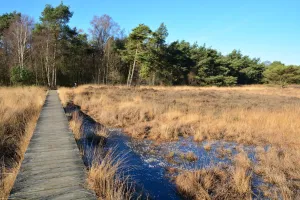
point(52, 167)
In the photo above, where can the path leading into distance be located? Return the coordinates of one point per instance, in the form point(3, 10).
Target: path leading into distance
point(52, 167)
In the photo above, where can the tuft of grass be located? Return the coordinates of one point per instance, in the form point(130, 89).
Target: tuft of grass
point(211, 183)
point(207, 146)
point(102, 131)
point(190, 156)
point(220, 182)
point(19, 111)
point(170, 155)
point(223, 152)
point(241, 174)
point(107, 180)
point(75, 124)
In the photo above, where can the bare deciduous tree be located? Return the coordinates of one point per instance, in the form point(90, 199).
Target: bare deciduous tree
point(103, 28)
point(18, 36)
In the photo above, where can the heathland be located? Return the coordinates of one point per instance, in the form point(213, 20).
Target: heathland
point(177, 95)
point(261, 117)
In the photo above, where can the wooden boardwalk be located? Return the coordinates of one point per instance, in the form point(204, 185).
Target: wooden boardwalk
point(52, 167)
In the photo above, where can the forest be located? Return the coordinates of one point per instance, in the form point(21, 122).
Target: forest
point(51, 53)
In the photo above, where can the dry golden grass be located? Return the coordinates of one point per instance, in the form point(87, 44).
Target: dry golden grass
point(217, 182)
point(104, 175)
point(75, 125)
point(19, 111)
point(106, 179)
point(207, 146)
point(241, 174)
point(252, 115)
point(280, 167)
point(103, 132)
point(189, 156)
point(258, 115)
point(64, 95)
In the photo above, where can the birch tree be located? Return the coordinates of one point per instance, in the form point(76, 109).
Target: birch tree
point(19, 34)
point(103, 29)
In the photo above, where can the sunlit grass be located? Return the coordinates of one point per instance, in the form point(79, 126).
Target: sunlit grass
point(19, 111)
point(106, 179)
point(249, 115)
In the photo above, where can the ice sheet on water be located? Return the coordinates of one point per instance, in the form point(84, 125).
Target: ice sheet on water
point(157, 153)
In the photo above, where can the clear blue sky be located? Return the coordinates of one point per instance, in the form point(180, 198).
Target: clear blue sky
point(268, 29)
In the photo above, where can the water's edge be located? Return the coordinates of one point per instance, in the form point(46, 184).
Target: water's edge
point(149, 180)
point(147, 162)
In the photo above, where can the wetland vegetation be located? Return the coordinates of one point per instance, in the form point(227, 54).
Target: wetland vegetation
point(248, 134)
point(19, 111)
point(151, 117)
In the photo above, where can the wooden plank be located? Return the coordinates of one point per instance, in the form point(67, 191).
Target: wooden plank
point(52, 167)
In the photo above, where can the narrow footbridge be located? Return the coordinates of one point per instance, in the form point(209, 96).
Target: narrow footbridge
point(52, 167)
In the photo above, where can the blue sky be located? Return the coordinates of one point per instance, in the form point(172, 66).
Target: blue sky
point(268, 29)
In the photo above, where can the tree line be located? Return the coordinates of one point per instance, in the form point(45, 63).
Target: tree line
point(52, 53)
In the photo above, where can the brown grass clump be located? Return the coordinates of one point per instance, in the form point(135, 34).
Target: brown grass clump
point(222, 152)
point(280, 167)
point(207, 146)
point(190, 156)
point(241, 174)
point(107, 181)
point(19, 111)
point(213, 183)
point(102, 131)
point(170, 155)
point(196, 184)
point(75, 124)
point(217, 182)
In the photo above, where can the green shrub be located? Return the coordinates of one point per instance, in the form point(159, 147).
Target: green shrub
point(221, 80)
point(21, 76)
point(278, 73)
